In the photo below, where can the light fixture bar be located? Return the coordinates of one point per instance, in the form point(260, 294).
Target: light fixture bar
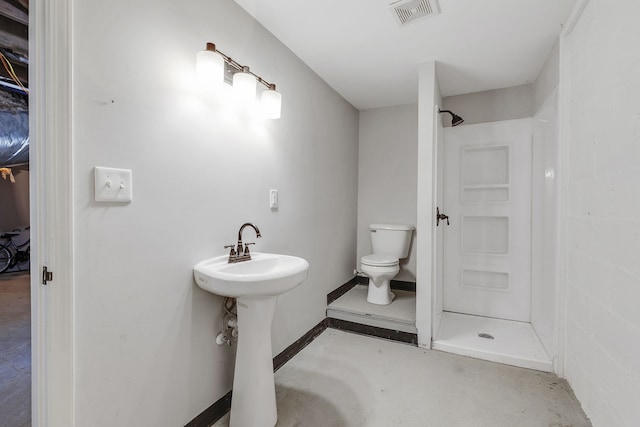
point(239, 67)
point(213, 67)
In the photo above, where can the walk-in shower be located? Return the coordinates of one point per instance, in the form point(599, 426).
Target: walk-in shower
point(494, 289)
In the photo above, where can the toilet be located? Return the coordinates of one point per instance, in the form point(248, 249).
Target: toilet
point(390, 243)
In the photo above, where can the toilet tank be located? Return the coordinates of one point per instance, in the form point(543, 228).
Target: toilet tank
point(391, 239)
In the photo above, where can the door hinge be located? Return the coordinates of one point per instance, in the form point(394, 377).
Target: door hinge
point(47, 276)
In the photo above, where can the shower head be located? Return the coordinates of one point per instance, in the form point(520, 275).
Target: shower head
point(455, 119)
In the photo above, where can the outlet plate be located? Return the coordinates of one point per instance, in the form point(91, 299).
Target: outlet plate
point(113, 185)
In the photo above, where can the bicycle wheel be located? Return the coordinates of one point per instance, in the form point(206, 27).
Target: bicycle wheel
point(5, 258)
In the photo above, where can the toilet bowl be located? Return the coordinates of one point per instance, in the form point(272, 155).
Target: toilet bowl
point(380, 269)
point(390, 243)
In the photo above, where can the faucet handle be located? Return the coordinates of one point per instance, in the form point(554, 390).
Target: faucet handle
point(233, 250)
point(246, 247)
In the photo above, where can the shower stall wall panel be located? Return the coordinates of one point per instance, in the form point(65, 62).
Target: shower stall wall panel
point(488, 199)
point(544, 291)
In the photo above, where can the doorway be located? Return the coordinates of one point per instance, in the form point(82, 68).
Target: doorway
point(15, 294)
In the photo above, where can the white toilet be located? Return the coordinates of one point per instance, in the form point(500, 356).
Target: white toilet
point(390, 243)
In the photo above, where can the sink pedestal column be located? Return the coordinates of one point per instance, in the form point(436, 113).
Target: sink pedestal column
point(253, 403)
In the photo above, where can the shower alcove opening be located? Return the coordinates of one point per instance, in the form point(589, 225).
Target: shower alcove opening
point(495, 290)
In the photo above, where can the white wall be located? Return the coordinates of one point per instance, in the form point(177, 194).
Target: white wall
point(490, 106)
point(388, 175)
point(428, 99)
point(438, 278)
point(602, 172)
point(145, 351)
point(547, 80)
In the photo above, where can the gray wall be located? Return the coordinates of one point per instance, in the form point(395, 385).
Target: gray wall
point(490, 106)
point(388, 175)
point(145, 350)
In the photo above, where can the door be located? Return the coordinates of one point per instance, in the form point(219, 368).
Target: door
point(487, 197)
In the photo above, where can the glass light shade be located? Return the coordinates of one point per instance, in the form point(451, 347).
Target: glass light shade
point(271, 104)
point(209, 69)
point(244, 88)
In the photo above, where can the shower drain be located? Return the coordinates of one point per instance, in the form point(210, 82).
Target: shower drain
point(487, 336)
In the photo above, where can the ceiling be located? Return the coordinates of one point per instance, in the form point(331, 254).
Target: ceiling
point(358, 48)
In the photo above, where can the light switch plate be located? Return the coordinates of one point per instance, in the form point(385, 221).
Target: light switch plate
point(273, 199)
point(113, 185)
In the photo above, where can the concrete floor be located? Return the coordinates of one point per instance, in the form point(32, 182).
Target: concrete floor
point(15, 350)
point(343, 379)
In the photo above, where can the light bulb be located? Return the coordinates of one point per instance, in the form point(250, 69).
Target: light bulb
point(271, 103)
point(244, 87)
point(209, 68)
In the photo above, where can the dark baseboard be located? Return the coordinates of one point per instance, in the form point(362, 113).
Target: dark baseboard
point(213, 413)
point(403, 286)
point(395, 284)
point(219, 409)
point(344, 325)
point(337, 293)
point(362, 280)
point(301, 343)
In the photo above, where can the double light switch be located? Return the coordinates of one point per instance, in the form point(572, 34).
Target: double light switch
point(113, 185)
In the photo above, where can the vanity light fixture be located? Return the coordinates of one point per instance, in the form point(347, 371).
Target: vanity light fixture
point(210, 71)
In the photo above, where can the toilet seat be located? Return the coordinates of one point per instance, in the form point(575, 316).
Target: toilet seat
point(378, 260)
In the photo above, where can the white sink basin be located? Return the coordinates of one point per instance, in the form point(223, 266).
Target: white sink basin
point(263, 275)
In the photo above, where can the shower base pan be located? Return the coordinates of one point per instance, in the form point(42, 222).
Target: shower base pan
point(496, 340)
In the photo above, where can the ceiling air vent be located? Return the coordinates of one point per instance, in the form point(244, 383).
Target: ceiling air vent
point(409, 11)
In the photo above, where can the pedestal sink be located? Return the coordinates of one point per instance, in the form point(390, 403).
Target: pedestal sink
point(256, 284)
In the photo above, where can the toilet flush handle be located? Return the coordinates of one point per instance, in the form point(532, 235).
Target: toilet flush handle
point(440, 216)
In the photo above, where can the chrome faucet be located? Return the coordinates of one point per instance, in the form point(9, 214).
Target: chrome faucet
point(239, 254)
